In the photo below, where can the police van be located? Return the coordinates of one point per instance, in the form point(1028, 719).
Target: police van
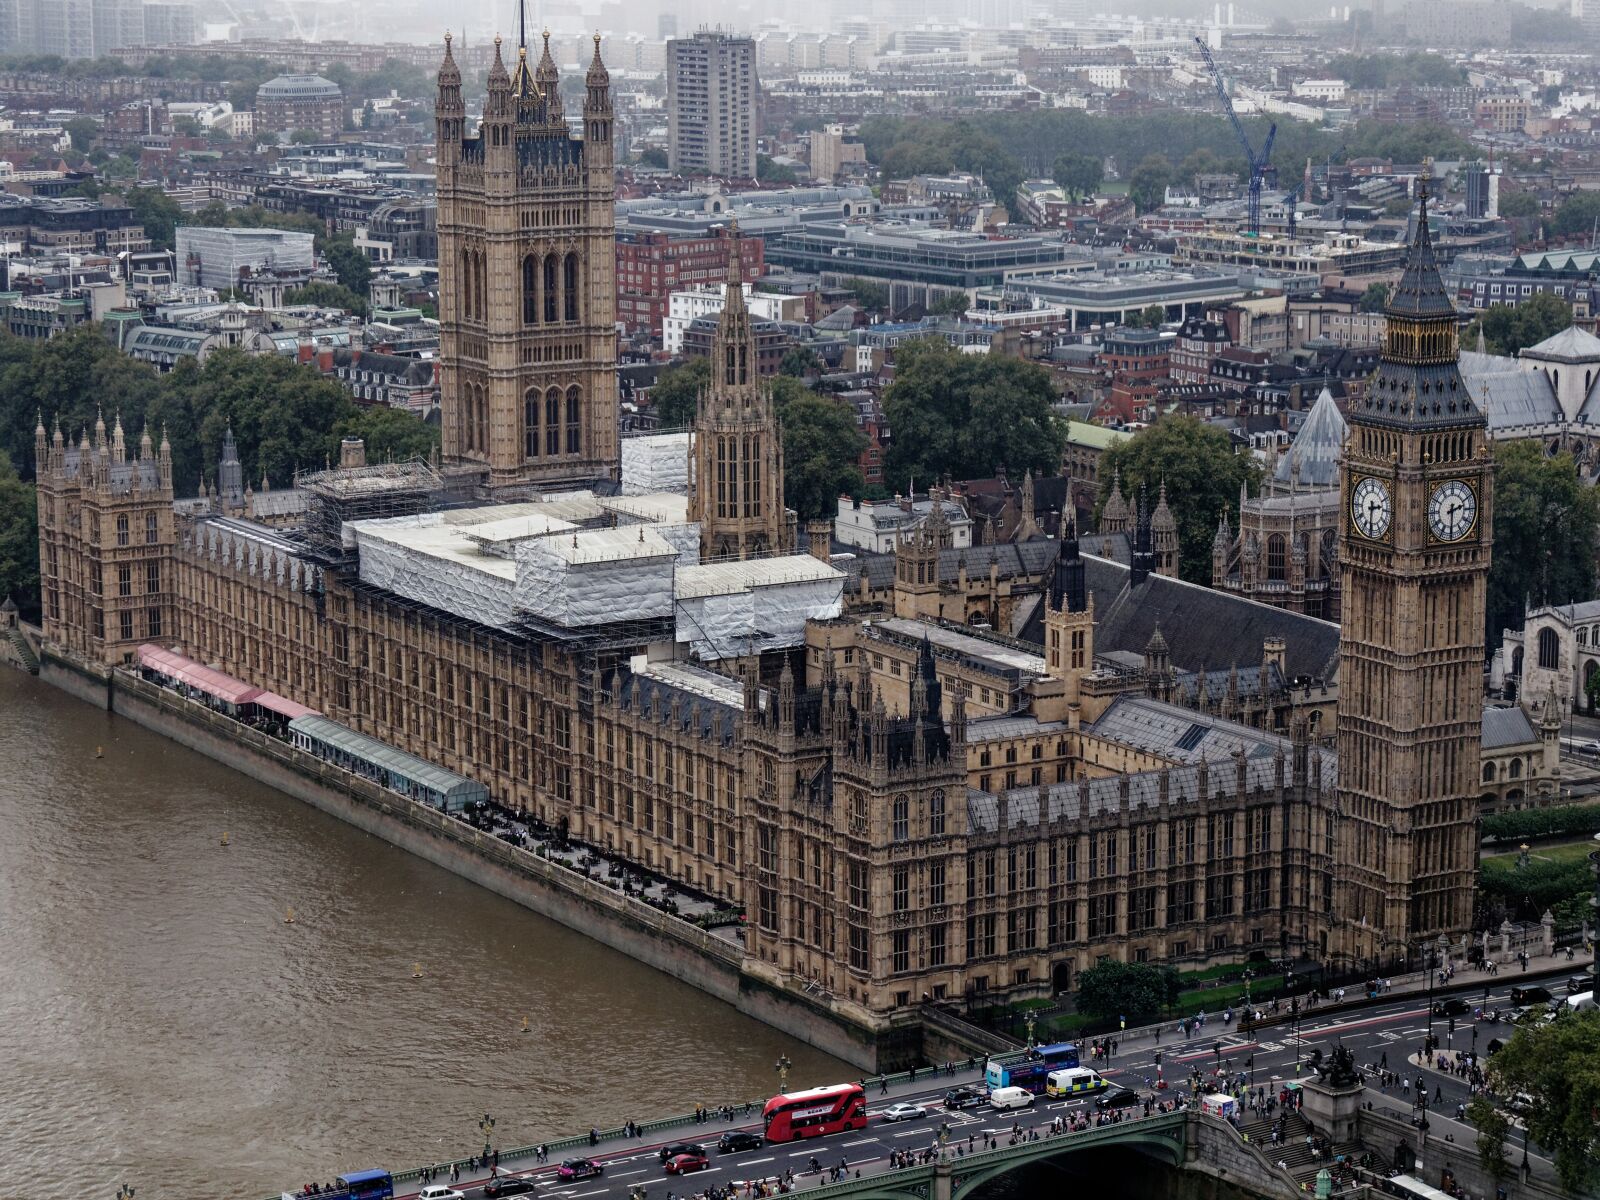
point(1074, 1081)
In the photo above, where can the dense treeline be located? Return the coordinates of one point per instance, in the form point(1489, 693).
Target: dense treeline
point(905, 146)
point(1566, 820)
point(285, 417)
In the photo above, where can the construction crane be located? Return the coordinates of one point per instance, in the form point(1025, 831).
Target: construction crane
point(1261, 169)
point(1291, 203)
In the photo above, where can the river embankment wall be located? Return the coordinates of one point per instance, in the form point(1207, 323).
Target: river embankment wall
point(670, 945)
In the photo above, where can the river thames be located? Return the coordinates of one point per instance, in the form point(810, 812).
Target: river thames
point(162, 1026)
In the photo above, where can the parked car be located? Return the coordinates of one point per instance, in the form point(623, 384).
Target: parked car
point(673, 1149)
point(507, 1185)
point(682, 1164)
point(1453, 1006)
point(580, 1168)
point(904, 1112)
point(1120, 1098)
point(736, 1140)
point(1531, 995)
point(964, 1097)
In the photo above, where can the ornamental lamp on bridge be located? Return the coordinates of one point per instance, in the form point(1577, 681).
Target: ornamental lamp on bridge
point(125, 1192)
point(782, 1066)
point(486, 1126)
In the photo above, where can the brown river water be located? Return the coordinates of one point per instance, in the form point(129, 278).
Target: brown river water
point(162, 1027)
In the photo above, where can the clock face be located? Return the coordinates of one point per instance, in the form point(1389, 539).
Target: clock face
point(1370, 508)
point(1452, 511)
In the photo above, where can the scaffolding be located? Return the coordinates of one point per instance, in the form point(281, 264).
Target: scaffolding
point(343, 494)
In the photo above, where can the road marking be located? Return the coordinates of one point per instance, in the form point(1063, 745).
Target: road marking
point(753, 1161)
point(862, 1142)
point(911, 1133)
point(625, 1174)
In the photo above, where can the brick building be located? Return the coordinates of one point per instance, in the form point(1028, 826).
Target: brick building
point(651, 266)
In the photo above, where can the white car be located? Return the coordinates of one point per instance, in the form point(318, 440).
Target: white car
point(903, 1112)
point(438, 1191)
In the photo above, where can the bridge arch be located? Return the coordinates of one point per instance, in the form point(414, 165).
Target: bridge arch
point(1165, 1145)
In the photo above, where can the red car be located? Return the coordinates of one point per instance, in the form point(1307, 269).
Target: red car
point(580, 1168)
point(682, 1164)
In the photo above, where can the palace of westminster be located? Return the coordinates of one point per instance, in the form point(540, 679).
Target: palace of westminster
point(906, 801)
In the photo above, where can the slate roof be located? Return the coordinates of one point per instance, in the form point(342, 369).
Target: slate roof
point(1207, 629)
point(1516, 401)
point(1571, 345)
point(1507, 727)
point(1013, 558)
point(1181, 733)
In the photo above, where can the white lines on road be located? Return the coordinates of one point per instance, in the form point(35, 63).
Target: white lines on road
point(753, 1161)
point(912, 1133)
point(625, 1174)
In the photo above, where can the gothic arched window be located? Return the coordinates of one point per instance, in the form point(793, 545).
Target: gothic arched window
point(530, 421)
point(1488, 772)
point(550, 288)
point(530, 290)
point(552, 421)
point(569, 287)
point(1549, 649)
point(1276, 550)
point(574, 419)
point(902, 818)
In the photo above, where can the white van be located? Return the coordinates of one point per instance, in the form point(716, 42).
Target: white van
point(1073, 1081)
point(1582, 1002)
point(1010, 1097)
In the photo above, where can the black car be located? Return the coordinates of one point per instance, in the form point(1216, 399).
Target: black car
point(1453, 1007)
point(1120, 1098)
point(673, 1149)
point(1531, 995)
point(736, 1140)
point(965, 1097)
point(507, 1185)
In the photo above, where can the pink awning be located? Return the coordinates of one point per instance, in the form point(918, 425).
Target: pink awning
point(287, 709)
point(185, 670)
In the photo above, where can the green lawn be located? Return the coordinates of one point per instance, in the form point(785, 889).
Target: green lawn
point(1564, 852)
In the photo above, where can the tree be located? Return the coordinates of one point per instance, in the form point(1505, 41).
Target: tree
point(1556, 1064)
point(1544, 534)
point(1202, 473)
point(305, 137)
point(1078, 174)
point(1375, 297)
point(1577, 214)
point(800, 361)
point(1152, 317)
point(391, 434)
point(874, 297)
point(19, 540)
point(84, 131)
point(351, 265)
point(951, 304)
point(1200, 162)
point(1114, 991)
point(768, 171)
point(1149, 182)
point(652, 156)
point(1492, 1128)
point(968, 416)
point(157, 212)
point(1518, 206)
point(821, 450)
point(676, 394)
point(327, 295)
point(1507, 330)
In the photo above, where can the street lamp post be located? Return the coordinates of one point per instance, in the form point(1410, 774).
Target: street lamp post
point(486, 1127)
point(782, 1066)
point(125, 1192)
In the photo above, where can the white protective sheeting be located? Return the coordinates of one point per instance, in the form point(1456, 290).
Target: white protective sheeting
point(430, 560)
point(728, 609)
point(655, 462)
point(596, 576)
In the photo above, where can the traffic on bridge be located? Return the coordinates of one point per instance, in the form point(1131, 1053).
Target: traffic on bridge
point(811, 1138)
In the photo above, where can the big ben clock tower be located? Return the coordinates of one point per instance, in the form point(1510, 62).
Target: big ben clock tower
point(1416, 537)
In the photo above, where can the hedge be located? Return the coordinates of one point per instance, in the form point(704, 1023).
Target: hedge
point(1568, 820)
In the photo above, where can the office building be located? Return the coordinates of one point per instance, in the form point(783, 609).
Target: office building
point(711, 105)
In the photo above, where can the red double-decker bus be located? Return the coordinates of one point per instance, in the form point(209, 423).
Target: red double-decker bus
point(815, 1112)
